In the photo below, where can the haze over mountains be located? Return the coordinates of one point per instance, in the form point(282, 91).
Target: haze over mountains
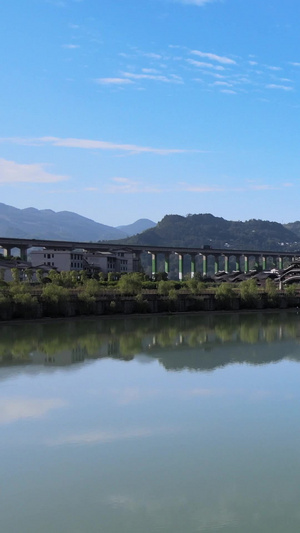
point(172, 230)
point(64, 225)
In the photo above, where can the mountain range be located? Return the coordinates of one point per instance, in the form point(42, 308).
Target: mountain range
point(206, 229)
point(64, 225)
point(173, 230)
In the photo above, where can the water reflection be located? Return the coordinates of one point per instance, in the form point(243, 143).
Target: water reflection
point(93, 443)
point(195, 342)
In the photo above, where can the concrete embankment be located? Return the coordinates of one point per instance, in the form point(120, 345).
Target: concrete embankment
point(116, 304)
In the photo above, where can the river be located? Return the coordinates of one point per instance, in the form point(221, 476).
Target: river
point(174, 424)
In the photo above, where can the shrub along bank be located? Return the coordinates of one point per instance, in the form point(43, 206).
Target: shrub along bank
point(68, 294)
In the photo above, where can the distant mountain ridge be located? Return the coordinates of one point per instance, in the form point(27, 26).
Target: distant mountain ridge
point(173, 230)
point(64, 225)
point(137, 227)
point(206, 229)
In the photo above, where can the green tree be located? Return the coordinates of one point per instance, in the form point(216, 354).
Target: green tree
point(55, 293)
point(39, 275)
point(164, 287)
point(249, 293)
point(29, 274)
point(130, 283)
point(91, 287)
point(225, 295)
point(192, 285)
point(83, 276)
point(290, 290)
point(54, 276)
point(272, 293)
point(15, 272)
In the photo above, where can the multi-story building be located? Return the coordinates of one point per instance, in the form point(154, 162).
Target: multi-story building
point(64, 260)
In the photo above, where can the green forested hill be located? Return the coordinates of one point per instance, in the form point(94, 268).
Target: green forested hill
point(206, 229)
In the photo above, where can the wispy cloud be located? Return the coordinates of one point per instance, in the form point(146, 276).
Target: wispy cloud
point(270, 67)
point(89, 144)
point(155, 77)
point(228, 91)
point(203, 64)
point(151, 55)
point(222, 83)
point(281, 87)
point(113, 81)
point(127, 186)
point(70, 46)
point(213, 57)
point(12, 172)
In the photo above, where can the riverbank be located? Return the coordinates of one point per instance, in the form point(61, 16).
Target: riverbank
point(112, 304)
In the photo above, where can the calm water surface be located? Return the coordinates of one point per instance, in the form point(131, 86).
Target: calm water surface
point(166, 424)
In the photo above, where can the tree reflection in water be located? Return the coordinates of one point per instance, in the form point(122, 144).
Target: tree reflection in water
point(197, 342)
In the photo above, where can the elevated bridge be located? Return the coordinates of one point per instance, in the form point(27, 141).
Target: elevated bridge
point(219, 256)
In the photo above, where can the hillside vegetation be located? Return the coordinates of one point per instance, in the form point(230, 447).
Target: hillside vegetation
point(206, 229)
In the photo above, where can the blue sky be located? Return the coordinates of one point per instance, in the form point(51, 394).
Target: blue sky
point(127, 109)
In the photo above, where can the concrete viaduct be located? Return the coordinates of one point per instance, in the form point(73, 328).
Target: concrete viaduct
point(241, 257)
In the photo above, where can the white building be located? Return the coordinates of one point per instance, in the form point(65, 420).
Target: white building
point(64, 260)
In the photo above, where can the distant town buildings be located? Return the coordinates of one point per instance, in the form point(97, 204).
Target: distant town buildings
point(122, 261)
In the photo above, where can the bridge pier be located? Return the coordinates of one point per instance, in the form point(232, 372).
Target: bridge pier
point(193, 265)
point(217, 267)
point(7, 251)
point(154, 265)
point(238, 262)
point(246, 264)
point(204, 264)
point(226, 263)
point(180, 267)
point(23, 253)
point(167, 264)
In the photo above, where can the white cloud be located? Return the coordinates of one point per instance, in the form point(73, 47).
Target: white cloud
point(202, 64)
point(12, 172)
point(281, 87)
point(127, 186)
point(228, 91)
point(149, 71)
point(88, 144)
point(154, 77)
point(222, 83)
point(151, 55)
point(70, 46)
point(113, 81)
point(273, 68)
point(213, 57)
